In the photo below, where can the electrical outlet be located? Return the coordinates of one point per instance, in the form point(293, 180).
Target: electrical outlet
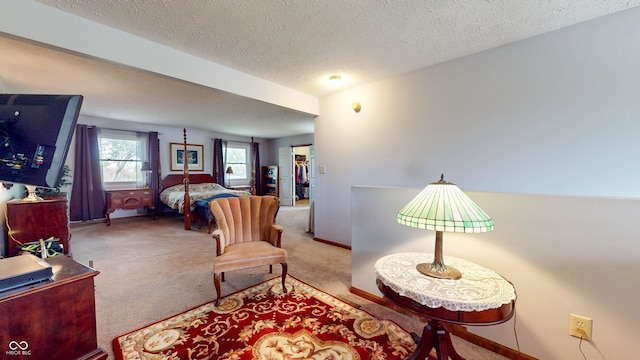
point(580, 326)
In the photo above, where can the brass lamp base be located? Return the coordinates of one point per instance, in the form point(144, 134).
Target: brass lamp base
point(437, 268)
point(439, 271)
point(31, 195)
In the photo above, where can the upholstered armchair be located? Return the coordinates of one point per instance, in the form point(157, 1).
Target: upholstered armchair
point(246, 236)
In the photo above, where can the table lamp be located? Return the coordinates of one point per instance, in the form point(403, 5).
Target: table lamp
point(229, 173)
point(442, 206)
point(146, 169)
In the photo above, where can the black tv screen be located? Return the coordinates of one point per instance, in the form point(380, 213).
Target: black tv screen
point(35, 133)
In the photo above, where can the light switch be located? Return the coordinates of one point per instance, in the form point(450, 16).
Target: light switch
point(322, 169)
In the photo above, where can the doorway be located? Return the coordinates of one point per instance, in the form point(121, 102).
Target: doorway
point(296, 183)
point(302, 175)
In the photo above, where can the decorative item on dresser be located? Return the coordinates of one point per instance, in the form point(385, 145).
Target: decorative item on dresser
point(54, 319)
point(32, 221)
point(129, 199)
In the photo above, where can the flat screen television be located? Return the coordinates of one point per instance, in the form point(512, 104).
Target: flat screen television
point(35, 134)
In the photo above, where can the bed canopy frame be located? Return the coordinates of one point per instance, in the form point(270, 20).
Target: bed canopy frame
point(186, 179)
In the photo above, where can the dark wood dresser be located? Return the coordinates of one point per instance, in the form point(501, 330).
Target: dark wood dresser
point(53, 319)
point(128, 199)
point(32, 221)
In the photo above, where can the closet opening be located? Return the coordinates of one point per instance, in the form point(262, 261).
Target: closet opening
point(302, 175)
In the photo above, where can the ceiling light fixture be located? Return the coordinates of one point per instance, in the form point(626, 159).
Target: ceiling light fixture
point(335, 81)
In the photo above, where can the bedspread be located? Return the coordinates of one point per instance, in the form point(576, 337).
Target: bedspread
point(173, 196)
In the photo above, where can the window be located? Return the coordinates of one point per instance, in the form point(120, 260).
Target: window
point(121, 157)
point(237, 157)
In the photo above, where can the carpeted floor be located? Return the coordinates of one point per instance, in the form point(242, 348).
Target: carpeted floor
point(264, 322)
point(152, 269)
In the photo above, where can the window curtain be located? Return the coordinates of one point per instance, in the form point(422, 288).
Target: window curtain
point(154, 163)
point(257, 171)
point(87, 193)
point(218, 160)
point(143, 153)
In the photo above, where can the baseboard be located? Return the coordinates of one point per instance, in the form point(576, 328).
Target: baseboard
point(332, 243)
point(457, 330)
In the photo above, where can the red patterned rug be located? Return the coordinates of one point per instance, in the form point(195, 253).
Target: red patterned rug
point(264, 323)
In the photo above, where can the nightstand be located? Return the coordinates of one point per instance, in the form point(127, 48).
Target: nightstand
point(30, 221)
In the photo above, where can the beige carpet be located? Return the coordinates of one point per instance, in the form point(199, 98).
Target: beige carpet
point(152, 269)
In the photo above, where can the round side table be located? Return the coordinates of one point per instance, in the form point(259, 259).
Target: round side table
point(480, 297)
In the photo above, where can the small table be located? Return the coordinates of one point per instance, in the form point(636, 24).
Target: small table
point(479, 297)
point(128, 199)
point(53, 319)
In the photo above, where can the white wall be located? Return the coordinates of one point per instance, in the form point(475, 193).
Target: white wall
point(269, 156)
point(556, 115)
point(564, 254)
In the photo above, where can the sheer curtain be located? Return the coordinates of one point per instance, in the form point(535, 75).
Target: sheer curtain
point(87, 193)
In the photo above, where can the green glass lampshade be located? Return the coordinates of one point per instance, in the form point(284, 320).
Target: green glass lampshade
point(443, 207)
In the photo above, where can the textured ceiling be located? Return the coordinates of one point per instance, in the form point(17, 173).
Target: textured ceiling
point(118, 92)
point(298, 44)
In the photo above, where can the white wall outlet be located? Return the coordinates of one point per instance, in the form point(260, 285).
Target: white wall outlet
point(580, 326)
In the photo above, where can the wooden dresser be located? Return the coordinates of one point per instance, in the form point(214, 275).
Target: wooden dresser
point(128, 199)
point(53, 319)
point(32, 221)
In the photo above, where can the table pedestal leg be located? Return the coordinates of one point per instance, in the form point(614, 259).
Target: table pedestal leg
point(434, 335)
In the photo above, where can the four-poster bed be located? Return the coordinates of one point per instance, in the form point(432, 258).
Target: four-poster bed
point(180, 191)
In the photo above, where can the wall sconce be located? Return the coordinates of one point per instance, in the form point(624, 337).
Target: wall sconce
point(356, 106)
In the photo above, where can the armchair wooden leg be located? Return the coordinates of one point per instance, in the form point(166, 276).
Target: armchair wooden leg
point(270, 269)
point(216, 283)
point(284, 276)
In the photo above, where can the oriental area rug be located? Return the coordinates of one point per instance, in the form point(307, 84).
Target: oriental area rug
point(262, 322)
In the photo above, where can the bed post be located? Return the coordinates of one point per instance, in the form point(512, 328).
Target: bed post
point(187, 200)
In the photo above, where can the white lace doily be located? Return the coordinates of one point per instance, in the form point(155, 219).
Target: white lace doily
point(478, 289)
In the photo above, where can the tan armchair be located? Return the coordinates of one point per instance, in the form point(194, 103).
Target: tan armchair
point(246, 235)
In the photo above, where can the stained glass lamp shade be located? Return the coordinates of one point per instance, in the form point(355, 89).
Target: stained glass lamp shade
point(442, 206)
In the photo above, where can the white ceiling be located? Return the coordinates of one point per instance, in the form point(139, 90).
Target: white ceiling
point(296, 44)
